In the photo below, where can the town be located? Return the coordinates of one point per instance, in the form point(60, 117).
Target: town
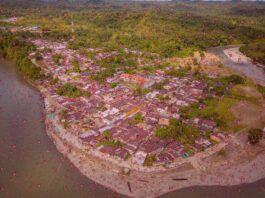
point(132, 99)
point(123, 117)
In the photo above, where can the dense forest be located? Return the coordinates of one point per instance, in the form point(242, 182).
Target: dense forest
point(169, 29)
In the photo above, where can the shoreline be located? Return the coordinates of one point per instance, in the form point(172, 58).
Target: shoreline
point(142, 184)
point(147, 182)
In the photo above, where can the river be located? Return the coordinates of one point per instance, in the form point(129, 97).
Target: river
point(31, 167)
point(249, 69)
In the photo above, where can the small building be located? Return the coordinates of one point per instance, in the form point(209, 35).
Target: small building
point(164, 121)
point(139, 157)
point(143, 82)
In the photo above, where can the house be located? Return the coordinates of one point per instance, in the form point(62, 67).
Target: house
point(139, 157)
point(143, 82)
point(164, 121)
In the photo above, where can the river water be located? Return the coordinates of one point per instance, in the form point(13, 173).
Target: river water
point(249, 69)
point(31, 167)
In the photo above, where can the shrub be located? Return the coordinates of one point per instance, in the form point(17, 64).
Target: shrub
point(71, 91)
point(138, 118)
point(57, 58)
point(234, 79)
point(162, 132)
point(113, 143)
point(76, 68)
point(138, 91)
point(180, 73)
point(177, 130)
point(160, 85)
point(114, 84)
point(150, 159)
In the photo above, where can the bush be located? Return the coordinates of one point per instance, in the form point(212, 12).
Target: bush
point(114, 84)
point(113, 143)
point(160, 85)
point(102, 75)
point(150, 159)
point(178, 130)
point(15, 48)
point(254, 135)
point(162, 132)
point(138, 91)
point(71, 91)
point(180, 73)
point(57, 59)
point(138, 118)
point(76, 68)
point(234, 79)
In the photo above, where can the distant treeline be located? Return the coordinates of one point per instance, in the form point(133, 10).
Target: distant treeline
point(169, 29)
point(15, 48)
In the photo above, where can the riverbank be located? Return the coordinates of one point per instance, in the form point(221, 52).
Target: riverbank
point(206, 168)
point(196, 170)
point(30, 164)
point(231, 57)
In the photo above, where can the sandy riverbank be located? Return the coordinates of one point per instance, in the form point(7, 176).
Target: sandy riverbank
point(244, 164)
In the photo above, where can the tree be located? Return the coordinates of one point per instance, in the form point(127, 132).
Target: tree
point(254, 135)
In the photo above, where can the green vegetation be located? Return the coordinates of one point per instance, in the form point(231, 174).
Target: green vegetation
point(180, 73)
point(162, 97)
point(102, 75)
point(169, 29)
point(57, 59)
point(108, 142)
point(177, 130)
point(106, 134)
point(160, 85)
point(255, 50)
point(149, 160)
point(261, 89)
point(119, 60)
point(222, 85)
point(254, 135)
point(113, 143)
point(76, 68)
point(229, 92)
point(71, 91)
point(213, 109)
point(138, 91)
point(114, 84)
point(15, 48)
point(138, 118)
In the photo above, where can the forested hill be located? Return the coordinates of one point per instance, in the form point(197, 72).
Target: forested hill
point(169, 29)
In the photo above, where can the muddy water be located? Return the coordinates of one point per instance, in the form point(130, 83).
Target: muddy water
point(31, 167)
point(249, 69)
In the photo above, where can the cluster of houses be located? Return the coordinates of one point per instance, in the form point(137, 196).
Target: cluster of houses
point(31, 28)
point(115, 121)
point(23, 28)
point(10, 20)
